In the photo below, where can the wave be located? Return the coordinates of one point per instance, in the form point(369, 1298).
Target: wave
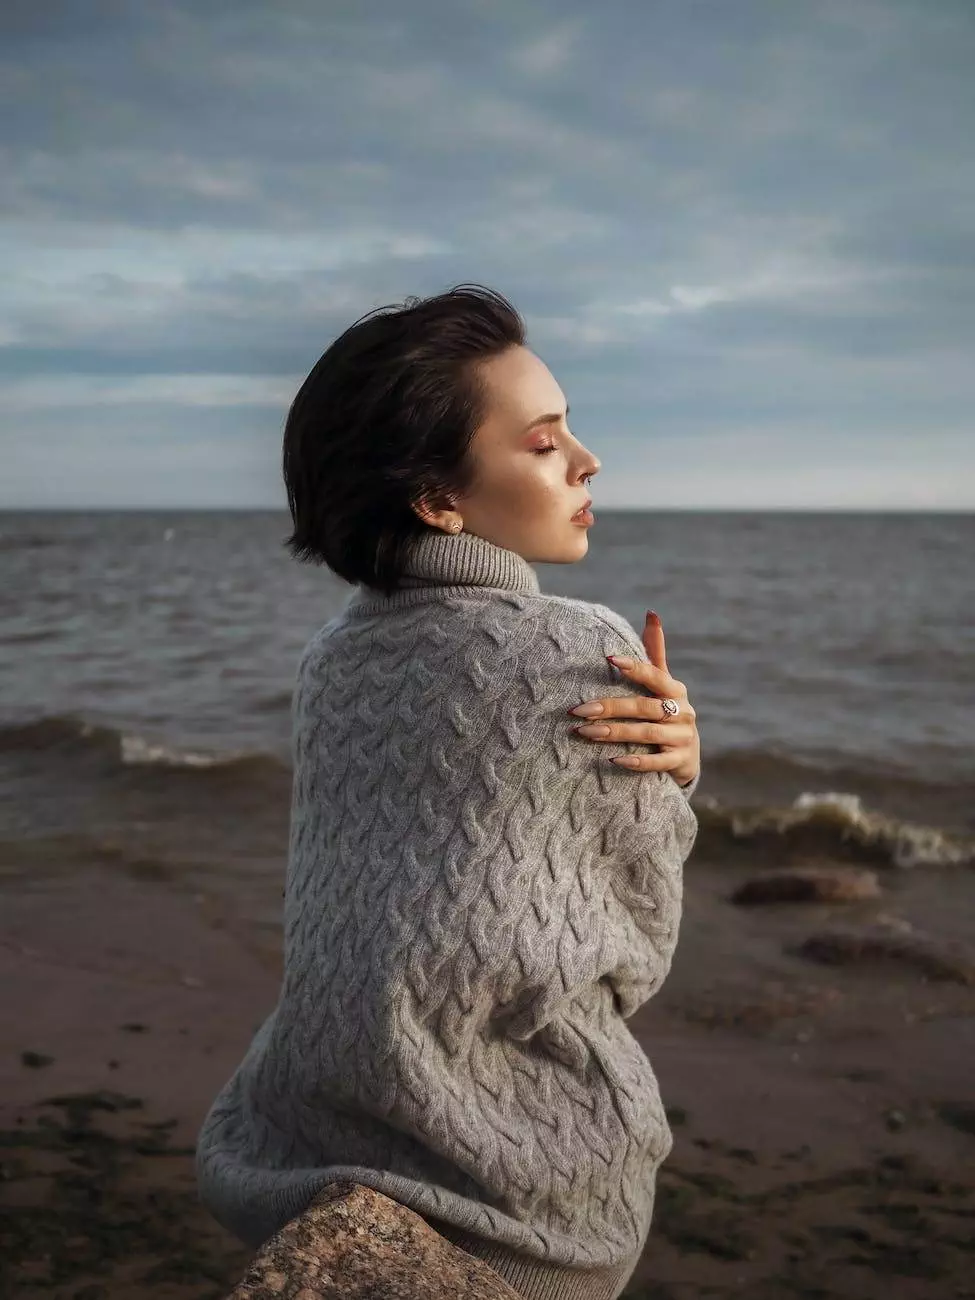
point(26, 542)
point(776, 764)
point(65, 733)
point(276, 702)
point(32, 856)
point(830, 824)
point(775, 824)
point(31, 638)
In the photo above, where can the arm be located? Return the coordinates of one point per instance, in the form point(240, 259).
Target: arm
point(607, 888)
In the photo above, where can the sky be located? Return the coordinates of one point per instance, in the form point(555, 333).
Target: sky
point(741, 233)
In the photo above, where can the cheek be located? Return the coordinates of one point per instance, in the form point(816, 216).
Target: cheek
point(531, 500)
point(528, 492)
point(547, 494)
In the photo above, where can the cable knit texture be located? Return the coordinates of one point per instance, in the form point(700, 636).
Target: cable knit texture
point(476, 901)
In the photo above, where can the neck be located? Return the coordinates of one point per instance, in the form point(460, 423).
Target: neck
point(448, 562)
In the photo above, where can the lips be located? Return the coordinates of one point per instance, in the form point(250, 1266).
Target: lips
point(585, 506)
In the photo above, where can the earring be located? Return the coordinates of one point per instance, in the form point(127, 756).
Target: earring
point(456, 526)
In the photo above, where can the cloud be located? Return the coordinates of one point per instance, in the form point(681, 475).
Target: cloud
point(550, 52)
point(788, 280)
point(224, 460)
point(720, 219)
point(77, 392)
point(824, 468)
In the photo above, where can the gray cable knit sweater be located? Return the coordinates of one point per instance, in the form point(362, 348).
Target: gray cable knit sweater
point(476, 900)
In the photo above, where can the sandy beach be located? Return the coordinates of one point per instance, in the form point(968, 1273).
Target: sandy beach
point(824, 1127)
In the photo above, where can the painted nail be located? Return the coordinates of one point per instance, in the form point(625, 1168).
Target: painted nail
point(587, 710)
point(620, 661)
point(599, 729)
point(627, 760)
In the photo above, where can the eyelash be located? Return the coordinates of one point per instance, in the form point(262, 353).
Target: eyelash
point(540, 451)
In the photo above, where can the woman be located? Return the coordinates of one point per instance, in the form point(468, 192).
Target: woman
point(476, 899)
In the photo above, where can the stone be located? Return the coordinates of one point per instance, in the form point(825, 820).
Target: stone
point(354, 1243)
point(809, 885)
point(933, 958)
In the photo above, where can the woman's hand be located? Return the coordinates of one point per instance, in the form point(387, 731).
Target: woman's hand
point(680, 745)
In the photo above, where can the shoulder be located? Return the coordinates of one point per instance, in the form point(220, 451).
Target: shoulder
point(586, 626)
point(542, 628)
point(554, 648)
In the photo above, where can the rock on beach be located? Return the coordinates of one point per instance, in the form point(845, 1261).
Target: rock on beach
point(353, 1243)
point(809, 885)
point(930, 957)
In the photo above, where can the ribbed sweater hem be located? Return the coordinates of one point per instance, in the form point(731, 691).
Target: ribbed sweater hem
point(533, 1279)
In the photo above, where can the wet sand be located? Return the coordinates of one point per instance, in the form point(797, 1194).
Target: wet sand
point(824, 1118)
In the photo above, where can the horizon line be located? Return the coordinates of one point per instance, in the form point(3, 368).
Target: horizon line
point(657, 510)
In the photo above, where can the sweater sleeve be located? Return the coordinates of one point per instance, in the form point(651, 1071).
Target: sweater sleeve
point(607, 889)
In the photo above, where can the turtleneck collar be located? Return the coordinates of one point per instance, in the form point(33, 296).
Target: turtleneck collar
point(449, 562)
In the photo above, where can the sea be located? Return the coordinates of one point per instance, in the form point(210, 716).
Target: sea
point(147, 661)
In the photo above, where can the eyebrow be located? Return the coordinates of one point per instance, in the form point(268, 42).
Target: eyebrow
point(548, 419)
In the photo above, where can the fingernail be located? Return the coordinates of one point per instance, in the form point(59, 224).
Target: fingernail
point(652, 613)
point(619, 661)
point(587, 710)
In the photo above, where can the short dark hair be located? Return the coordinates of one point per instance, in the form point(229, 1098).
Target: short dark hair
point(385, 418)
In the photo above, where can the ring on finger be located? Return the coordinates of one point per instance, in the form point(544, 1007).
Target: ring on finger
point(671, 708)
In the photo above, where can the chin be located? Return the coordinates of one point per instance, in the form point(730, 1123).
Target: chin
point(558, 550)
point(574, 553)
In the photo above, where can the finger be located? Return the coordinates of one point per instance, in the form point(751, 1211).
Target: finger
point(640, 733)
point(657, 680)
point(649, 762)
point(653, 639)
point(646, 707)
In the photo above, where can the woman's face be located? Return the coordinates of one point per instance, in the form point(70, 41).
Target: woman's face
point(525, 495)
